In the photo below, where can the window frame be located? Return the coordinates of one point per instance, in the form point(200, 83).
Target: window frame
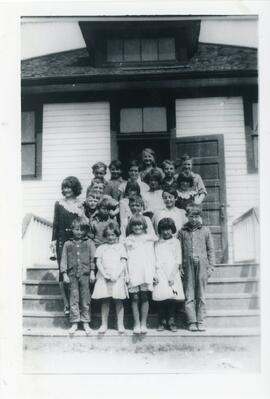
point(141, 61)
point(252, 167)
point(38, 114)
point(143, 133)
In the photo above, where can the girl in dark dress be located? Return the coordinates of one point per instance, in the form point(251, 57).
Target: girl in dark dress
point(65, 211)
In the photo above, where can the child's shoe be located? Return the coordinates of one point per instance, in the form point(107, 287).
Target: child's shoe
point(162, 325)
point(87, 329)
point(66, 310)
point(121, 330)
point(137, 330)
point(172, 327)
point(144, 330)
point(102, 329)
point(192, 327)
point(73, 329)
point(201, 327)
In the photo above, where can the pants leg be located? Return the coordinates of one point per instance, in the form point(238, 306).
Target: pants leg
point(189, 288)
point(74, 300)
point(200, 293)
point(84, 298)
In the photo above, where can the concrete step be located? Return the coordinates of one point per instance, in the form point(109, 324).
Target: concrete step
point(215, 285)
point(58, 340)
point(236, 270)
point(214, 302)
point(48, 272)
point(220, 318)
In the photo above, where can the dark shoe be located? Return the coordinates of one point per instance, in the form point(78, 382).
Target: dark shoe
point(192, 327)
point(201, 327)
point(66, 311)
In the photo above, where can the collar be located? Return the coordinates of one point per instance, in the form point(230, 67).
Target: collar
point(85, 238)
point(189, 227)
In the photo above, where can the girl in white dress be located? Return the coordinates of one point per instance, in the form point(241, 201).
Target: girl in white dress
point(111, 276)
point(141, 269)
point(169, 288)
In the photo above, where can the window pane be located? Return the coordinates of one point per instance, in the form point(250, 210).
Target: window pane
point(130, 120)
point(132, 50)
point(149, 50)
point(28, 159)
point(255, 151)
point(154, 119)
point(114, 51)
point(28, 127)
point(166, 49)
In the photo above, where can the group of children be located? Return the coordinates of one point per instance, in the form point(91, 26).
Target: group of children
point(132, 238)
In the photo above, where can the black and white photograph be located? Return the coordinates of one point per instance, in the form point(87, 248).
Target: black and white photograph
point(139, 138)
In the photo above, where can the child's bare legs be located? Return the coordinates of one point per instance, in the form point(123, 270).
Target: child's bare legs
point(73, 329)
point(144, 311)
point(120, 315)
point(136, 313)
point(105, 308)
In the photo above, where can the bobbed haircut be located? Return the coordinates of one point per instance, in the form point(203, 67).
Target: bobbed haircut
point(168, 162)
point(183, 178)
point(117, 164)
point(136, 199)
point(99, 165)
point(112, 226)
point(73, 183)
point(166, 224)
point(82, 222)
point(132, 186)
point(154, 174)
point(134, 221)
point(171, 190)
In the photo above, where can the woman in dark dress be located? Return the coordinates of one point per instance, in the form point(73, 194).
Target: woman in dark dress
point(65, 211)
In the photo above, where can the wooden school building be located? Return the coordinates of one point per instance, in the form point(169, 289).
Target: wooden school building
point(144, 82)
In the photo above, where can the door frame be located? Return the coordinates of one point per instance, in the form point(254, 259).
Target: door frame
point(222, 177)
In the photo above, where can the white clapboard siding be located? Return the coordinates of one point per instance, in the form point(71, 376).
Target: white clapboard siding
point(223, 115)
point(75, 136)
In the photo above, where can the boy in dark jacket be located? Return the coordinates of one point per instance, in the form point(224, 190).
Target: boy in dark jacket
point(198, 264)
point(77, 266)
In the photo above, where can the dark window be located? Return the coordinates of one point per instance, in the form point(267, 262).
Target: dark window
point(143, 120)
point(141, 50)
point(251, 127)
point(31, 144)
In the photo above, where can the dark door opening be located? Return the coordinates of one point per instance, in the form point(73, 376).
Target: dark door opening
point(131, 148)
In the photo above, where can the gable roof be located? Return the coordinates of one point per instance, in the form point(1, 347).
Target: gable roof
point(209, 59)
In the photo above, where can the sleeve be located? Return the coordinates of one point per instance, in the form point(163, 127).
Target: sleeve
point(210, 248)
point(55, 230)
point(63, 263)
point(92, 254)
point(199, 184)
point(123, 252)
point(178, 252)
point(99, 252)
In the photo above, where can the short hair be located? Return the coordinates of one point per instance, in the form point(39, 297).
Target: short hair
point(99, 165)
point(136, 199)
point(82, 222)
point(133, 163)
point(113, 226)
point(185, 157)
point(73, 183)
point(171, 190)
point(154, 174)
point(151, 152)
point(98, 181)
point(92, 193)
point(183, 178)
point(166, 223)
point(116, 163)
point(135, 220)
point(194, 210)
point(132, 186)
point(104, 203)
point(168, 162)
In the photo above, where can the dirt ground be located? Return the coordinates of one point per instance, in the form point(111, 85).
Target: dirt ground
point(149, 359)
